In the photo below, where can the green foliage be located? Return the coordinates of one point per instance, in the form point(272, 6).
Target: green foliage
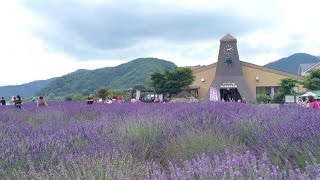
point(201, 142)
point(87, 167)
point(245, 131)
point(291, 64)
point(158, 81)
point(139, 87)
point(74, 97)
point(278, 98)
point(172, 81)
point(85, 92)
point(103, 93)
point(24, 90)
point(262, 98)
point(145, 137)
point(138, 131)
point(119, 92)
point(68, 97)
point(51, 96)
point(287, 85)
point(124, 76)
point(312, 80)
point(306, 157)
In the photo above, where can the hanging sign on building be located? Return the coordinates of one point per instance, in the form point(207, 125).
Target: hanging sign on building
point(228, 85)
point(213, 94)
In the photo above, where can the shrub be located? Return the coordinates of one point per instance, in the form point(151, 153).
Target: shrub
point(278, 98)
point(193, 143)
point(35, 141)
point(262, 98)
point(74, 97)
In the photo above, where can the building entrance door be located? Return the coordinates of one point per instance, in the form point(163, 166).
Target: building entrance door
point(230, 94)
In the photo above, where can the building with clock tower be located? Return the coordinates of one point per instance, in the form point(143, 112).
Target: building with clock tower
point(230, 79)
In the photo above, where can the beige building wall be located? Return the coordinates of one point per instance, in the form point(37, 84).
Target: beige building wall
point(254, 75)
point(258, 76)
point(203, 78)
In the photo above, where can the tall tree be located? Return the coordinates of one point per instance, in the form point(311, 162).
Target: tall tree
point(312, 81)
point(286, 88)
point(172, 81)
point(158, 81)
point(287, 85)
point(103, 93)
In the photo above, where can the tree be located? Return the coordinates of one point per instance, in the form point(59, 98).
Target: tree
point(51, 96)
point(103, 93)
point(158, 81)
point(172, 81)
point(312, 81)
point(74, 97)
point(85, 92)
point(286, 88)
point(287, 85)
point(118, 92)
point(139, 87)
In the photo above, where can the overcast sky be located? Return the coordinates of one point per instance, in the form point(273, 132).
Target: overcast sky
point(41, 39)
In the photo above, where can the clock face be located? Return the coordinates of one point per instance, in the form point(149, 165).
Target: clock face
point(228, 49)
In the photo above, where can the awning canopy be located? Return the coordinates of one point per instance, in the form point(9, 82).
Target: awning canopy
point(315, 94)
point(308, 94)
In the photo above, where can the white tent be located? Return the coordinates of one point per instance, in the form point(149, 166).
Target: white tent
point(308, 94)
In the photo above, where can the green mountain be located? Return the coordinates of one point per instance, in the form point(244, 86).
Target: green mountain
point(24, 90)
point(291, 64)
point(123, 76)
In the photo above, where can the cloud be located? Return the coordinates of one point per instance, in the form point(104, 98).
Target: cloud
point(107, 29)
point(43, 39)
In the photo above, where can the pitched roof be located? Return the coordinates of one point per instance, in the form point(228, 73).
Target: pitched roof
point(311, 67)
point(228, 38)
point(263, 68)
point(203, 68)
point(305, 67)
point(295, 76)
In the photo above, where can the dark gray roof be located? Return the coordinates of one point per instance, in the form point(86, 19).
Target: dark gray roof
point(305, 67)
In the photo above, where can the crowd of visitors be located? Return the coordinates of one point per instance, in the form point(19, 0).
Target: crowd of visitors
point(309, 102)
point(16, 101)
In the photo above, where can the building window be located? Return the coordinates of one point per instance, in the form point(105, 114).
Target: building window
point(261, 90)
point(267, 90)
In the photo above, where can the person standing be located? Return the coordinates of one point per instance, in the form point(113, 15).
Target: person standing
point(17, 102)
point(13, 99)
point(313, 103)
point(3, 101)
point(90, 99)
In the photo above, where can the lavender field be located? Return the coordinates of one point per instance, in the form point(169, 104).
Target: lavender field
point(72, 140)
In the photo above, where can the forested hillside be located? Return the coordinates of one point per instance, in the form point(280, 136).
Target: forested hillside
point(24, 90)
point(123, 76)
point(291, 64)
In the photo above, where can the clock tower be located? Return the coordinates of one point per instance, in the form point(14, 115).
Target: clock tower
point(229, 83)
